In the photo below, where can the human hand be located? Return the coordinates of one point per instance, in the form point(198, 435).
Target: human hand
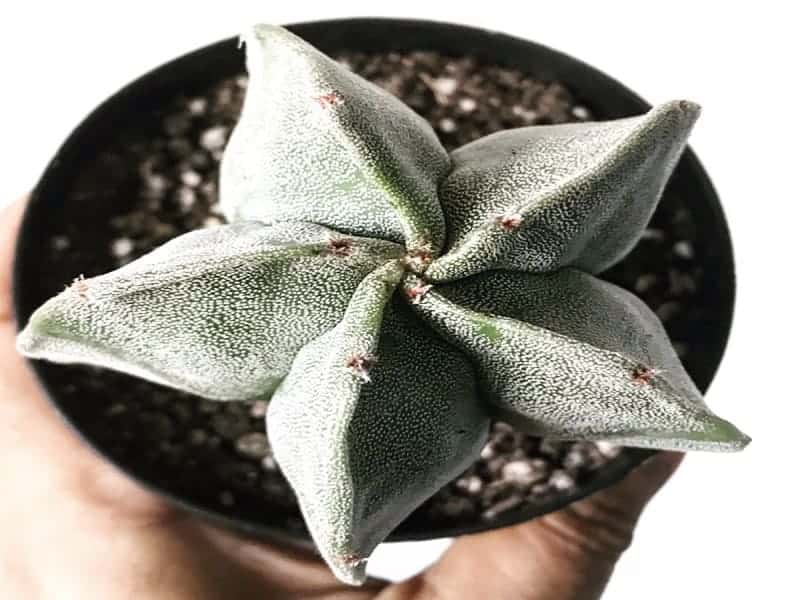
point(75, 527)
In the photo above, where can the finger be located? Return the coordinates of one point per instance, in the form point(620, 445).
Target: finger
point(566, 555)
point(10, 219)
point(27, 423)
point(33, 439)
point(15, 377)
point(626, 500)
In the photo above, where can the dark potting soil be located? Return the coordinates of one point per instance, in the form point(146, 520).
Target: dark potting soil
point(158, 179)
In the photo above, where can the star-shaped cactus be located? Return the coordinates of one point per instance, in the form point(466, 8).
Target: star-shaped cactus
point(390, 298)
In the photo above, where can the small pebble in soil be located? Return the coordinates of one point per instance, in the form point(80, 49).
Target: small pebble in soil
point(186, 198)
point(608, 449)
point(197, 106)
point(581, 113)
point(198, 437)
point(488, 452)
point(116, 409)
point(122, 247)
point(60, 242)
point(214, 138)
point(447, 125)
point(253, 445)
point(191, 178)
point(455, 506)
point(258, 410)
point(683, 249)
point(524, 113)
point(668, 310)
point(575, 459)
point(653, 235)
point(446, 85)
point(524, 473)
point(467, 105)
point(645, 283)
point(562, 481)
point(470, 485)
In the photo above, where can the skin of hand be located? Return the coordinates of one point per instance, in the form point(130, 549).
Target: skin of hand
point(73, 527)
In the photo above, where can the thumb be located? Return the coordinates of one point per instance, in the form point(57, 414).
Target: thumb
point(629, 497)
point(604, 522)
point(565, 555)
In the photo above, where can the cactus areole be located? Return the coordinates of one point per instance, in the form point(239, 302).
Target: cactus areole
point(389, 298)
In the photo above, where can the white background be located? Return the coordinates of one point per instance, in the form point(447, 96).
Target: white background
point(726, 526)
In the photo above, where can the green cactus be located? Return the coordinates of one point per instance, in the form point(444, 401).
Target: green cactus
point(389, 298)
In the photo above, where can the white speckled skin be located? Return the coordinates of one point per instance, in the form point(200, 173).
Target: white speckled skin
point(361, 454)
point(318, 143)
point(167, 317)
point(581, 341)
point(585, 192)
point(389, 351)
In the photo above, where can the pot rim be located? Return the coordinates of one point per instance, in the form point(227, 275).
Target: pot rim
point(608, 97)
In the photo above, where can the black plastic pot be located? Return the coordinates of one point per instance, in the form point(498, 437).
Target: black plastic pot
point(200, 69)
